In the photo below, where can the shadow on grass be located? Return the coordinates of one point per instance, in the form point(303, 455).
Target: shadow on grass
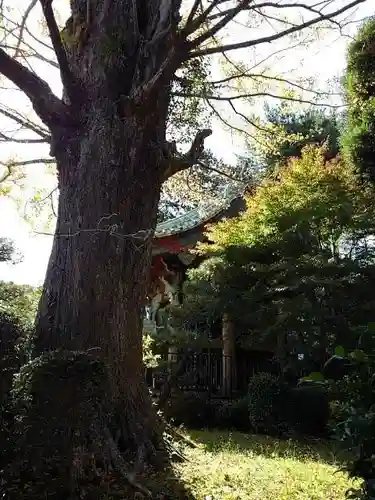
point(168, 486)
point(269, 447)
point(164, 485)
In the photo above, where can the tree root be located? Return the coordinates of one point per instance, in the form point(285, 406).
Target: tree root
point(119, 465)
point(179, 436)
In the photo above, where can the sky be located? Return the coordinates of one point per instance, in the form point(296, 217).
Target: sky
point(324, 60)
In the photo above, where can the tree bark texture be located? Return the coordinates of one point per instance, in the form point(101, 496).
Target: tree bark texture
point(110, 166)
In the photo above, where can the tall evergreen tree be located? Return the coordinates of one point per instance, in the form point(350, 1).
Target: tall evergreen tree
point(289, 128)
point(359, 138)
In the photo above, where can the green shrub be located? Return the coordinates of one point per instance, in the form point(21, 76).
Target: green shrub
point(355, 421)
point(12, 336)
point(309, 410)
point(58, 400)
point(197, 411)
point(232, 415)
point(353, 417)
point(190, 409)
point(268, 399)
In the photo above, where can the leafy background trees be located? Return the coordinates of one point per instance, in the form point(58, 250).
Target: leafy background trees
point(297, 267)
point(297, 264)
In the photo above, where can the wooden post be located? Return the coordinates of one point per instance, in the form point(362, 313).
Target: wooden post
point(228, 357)
point(172, 354)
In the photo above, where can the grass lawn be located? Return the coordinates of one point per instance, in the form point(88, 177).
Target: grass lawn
point(235, 466)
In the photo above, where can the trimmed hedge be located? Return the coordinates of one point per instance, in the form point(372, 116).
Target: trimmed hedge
point(268, 398)
point(198, 411)
point(270, 407)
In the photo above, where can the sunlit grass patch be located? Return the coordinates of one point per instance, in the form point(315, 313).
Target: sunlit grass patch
point(235, 466)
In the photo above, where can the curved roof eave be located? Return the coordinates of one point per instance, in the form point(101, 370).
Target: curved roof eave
point(198, 216)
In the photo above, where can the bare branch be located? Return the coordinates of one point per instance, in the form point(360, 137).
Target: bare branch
point(50, 109)
point(257, 94)
point(24, 122)
point(255, 76)
point(67, 77)
point(191, 15)
point(23, 25)
point(33, 53)
point(271, 38)
point(272, 5)
point(23, 163)
point(10, 166)
point(6, 174)
point(220, 172)
point(26, 29)
point(220, 25)
point(7, 138)
point(250, 122)
point(176, 163)
point(49, 196)
point(230, 126)
point(195, 24)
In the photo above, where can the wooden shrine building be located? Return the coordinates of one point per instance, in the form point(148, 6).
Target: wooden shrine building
point(171, 259)
point(171, 256)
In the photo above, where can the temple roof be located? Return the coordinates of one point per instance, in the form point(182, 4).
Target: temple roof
point(201, 215)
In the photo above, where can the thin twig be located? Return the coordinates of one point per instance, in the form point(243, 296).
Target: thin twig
point(271, 38)
point(23, 163)
point(220, 172)
point(23, 25)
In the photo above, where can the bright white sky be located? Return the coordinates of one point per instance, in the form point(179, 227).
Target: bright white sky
point(324, 60)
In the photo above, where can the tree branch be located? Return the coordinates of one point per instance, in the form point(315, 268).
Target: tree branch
point(220, 25)
point(176, 163)
point(270, 38)
point(255, 76)
point(67, 76)
point(220, 172)
point(11, 165)
point(191, 15)
point(7, 138)
point(50, 109)
point(39, 202)
point(6, 174)
point(25, 54)
point(26, 29)
point(22, 163)
point(195, 24)
point(23, 25)
point(232, 127)
point(272, 5)
point(24, 122)
point(256, 94)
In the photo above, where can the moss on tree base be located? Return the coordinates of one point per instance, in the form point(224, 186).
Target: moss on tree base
point(64, 440)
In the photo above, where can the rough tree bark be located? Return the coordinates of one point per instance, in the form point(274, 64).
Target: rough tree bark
point(117, 61)
point(96, 278)
point(111, 160)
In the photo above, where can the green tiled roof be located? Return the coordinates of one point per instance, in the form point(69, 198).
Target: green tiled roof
point(200, 215)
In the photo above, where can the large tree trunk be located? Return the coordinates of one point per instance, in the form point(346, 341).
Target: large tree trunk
point(110, 168)
point(96, 280)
